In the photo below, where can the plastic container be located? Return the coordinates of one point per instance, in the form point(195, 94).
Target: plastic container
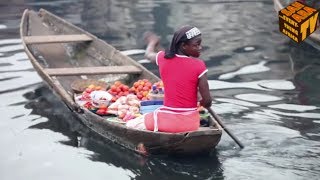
point(151, 102)
point(148, 109)
point(150, 106)
point(156, 93)
point(159, 97)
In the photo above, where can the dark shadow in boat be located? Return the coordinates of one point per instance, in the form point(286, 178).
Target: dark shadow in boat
point(44, 103)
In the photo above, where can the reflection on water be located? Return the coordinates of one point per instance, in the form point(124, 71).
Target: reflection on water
point(266, 90)
point(59, 119)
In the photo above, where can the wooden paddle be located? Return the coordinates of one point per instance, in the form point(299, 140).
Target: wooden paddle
point(215, 116)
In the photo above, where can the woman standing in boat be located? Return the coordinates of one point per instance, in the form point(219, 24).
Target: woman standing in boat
point(183, 75)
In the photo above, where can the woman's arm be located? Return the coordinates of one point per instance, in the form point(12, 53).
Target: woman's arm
point(203, 86)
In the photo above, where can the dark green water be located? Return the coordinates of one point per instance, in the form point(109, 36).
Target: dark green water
point(266, 89)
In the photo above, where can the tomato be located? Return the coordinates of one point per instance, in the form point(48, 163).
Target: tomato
point(102, 106)
point(113, 88)
point(148, 84)
point(118, 90)
point(89, 90)
point(113, 99)
point(139, 95)
point(117, 83)
point(101, 111)
point(136, 84)
point(125, 88)
point(145, 93)
point(139, 88)
point(145, 88)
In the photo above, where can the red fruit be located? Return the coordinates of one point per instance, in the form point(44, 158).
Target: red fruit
point(102, 111)
point(140, 87)
point(102, 106)
point(125, 88)
point(88, 90)
point(136, 84)
point(118, 90)
point(120, 93)
point(140, 96)
point(148, 84)
point(132, 90)
point(113, 88)
point(145, 88)
point(117, 83)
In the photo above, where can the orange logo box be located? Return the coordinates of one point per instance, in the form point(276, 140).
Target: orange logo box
point(298, 21)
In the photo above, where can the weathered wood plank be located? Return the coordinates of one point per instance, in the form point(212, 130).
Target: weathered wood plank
point(56, 38)
point(93, 70)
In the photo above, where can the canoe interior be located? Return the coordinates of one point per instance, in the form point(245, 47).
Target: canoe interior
point(97, 53)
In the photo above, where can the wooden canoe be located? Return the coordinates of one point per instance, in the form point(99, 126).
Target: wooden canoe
point(61, 53)
point(314, 38)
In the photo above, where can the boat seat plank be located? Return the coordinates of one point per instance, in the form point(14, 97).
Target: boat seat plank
point(56, 38)
point(93, 70)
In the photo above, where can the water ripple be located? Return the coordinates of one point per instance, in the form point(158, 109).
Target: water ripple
point(23, 80)
point(10, 41)
point(262, 116)
point(266, 85)
point(250, 69)
point(303, 115)
point(2, 26)
point(11, 48)
point(237, 102)
point(256, 97)
point(225, 108)
point(15, 57)
point(293, 107)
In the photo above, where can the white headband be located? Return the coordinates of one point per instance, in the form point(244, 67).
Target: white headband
point(193, 33)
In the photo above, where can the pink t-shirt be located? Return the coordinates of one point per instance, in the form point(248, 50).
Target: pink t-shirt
point(180, 76)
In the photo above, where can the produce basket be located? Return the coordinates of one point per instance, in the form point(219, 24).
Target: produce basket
point(79, 85)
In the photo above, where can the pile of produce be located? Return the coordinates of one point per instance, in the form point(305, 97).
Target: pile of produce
point(119, 100)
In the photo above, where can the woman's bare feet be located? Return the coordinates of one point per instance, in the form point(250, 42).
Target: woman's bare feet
point(152, 40)
point(150, 37)
point(153, 45)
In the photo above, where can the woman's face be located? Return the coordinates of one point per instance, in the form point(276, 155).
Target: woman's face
point(192, 47)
